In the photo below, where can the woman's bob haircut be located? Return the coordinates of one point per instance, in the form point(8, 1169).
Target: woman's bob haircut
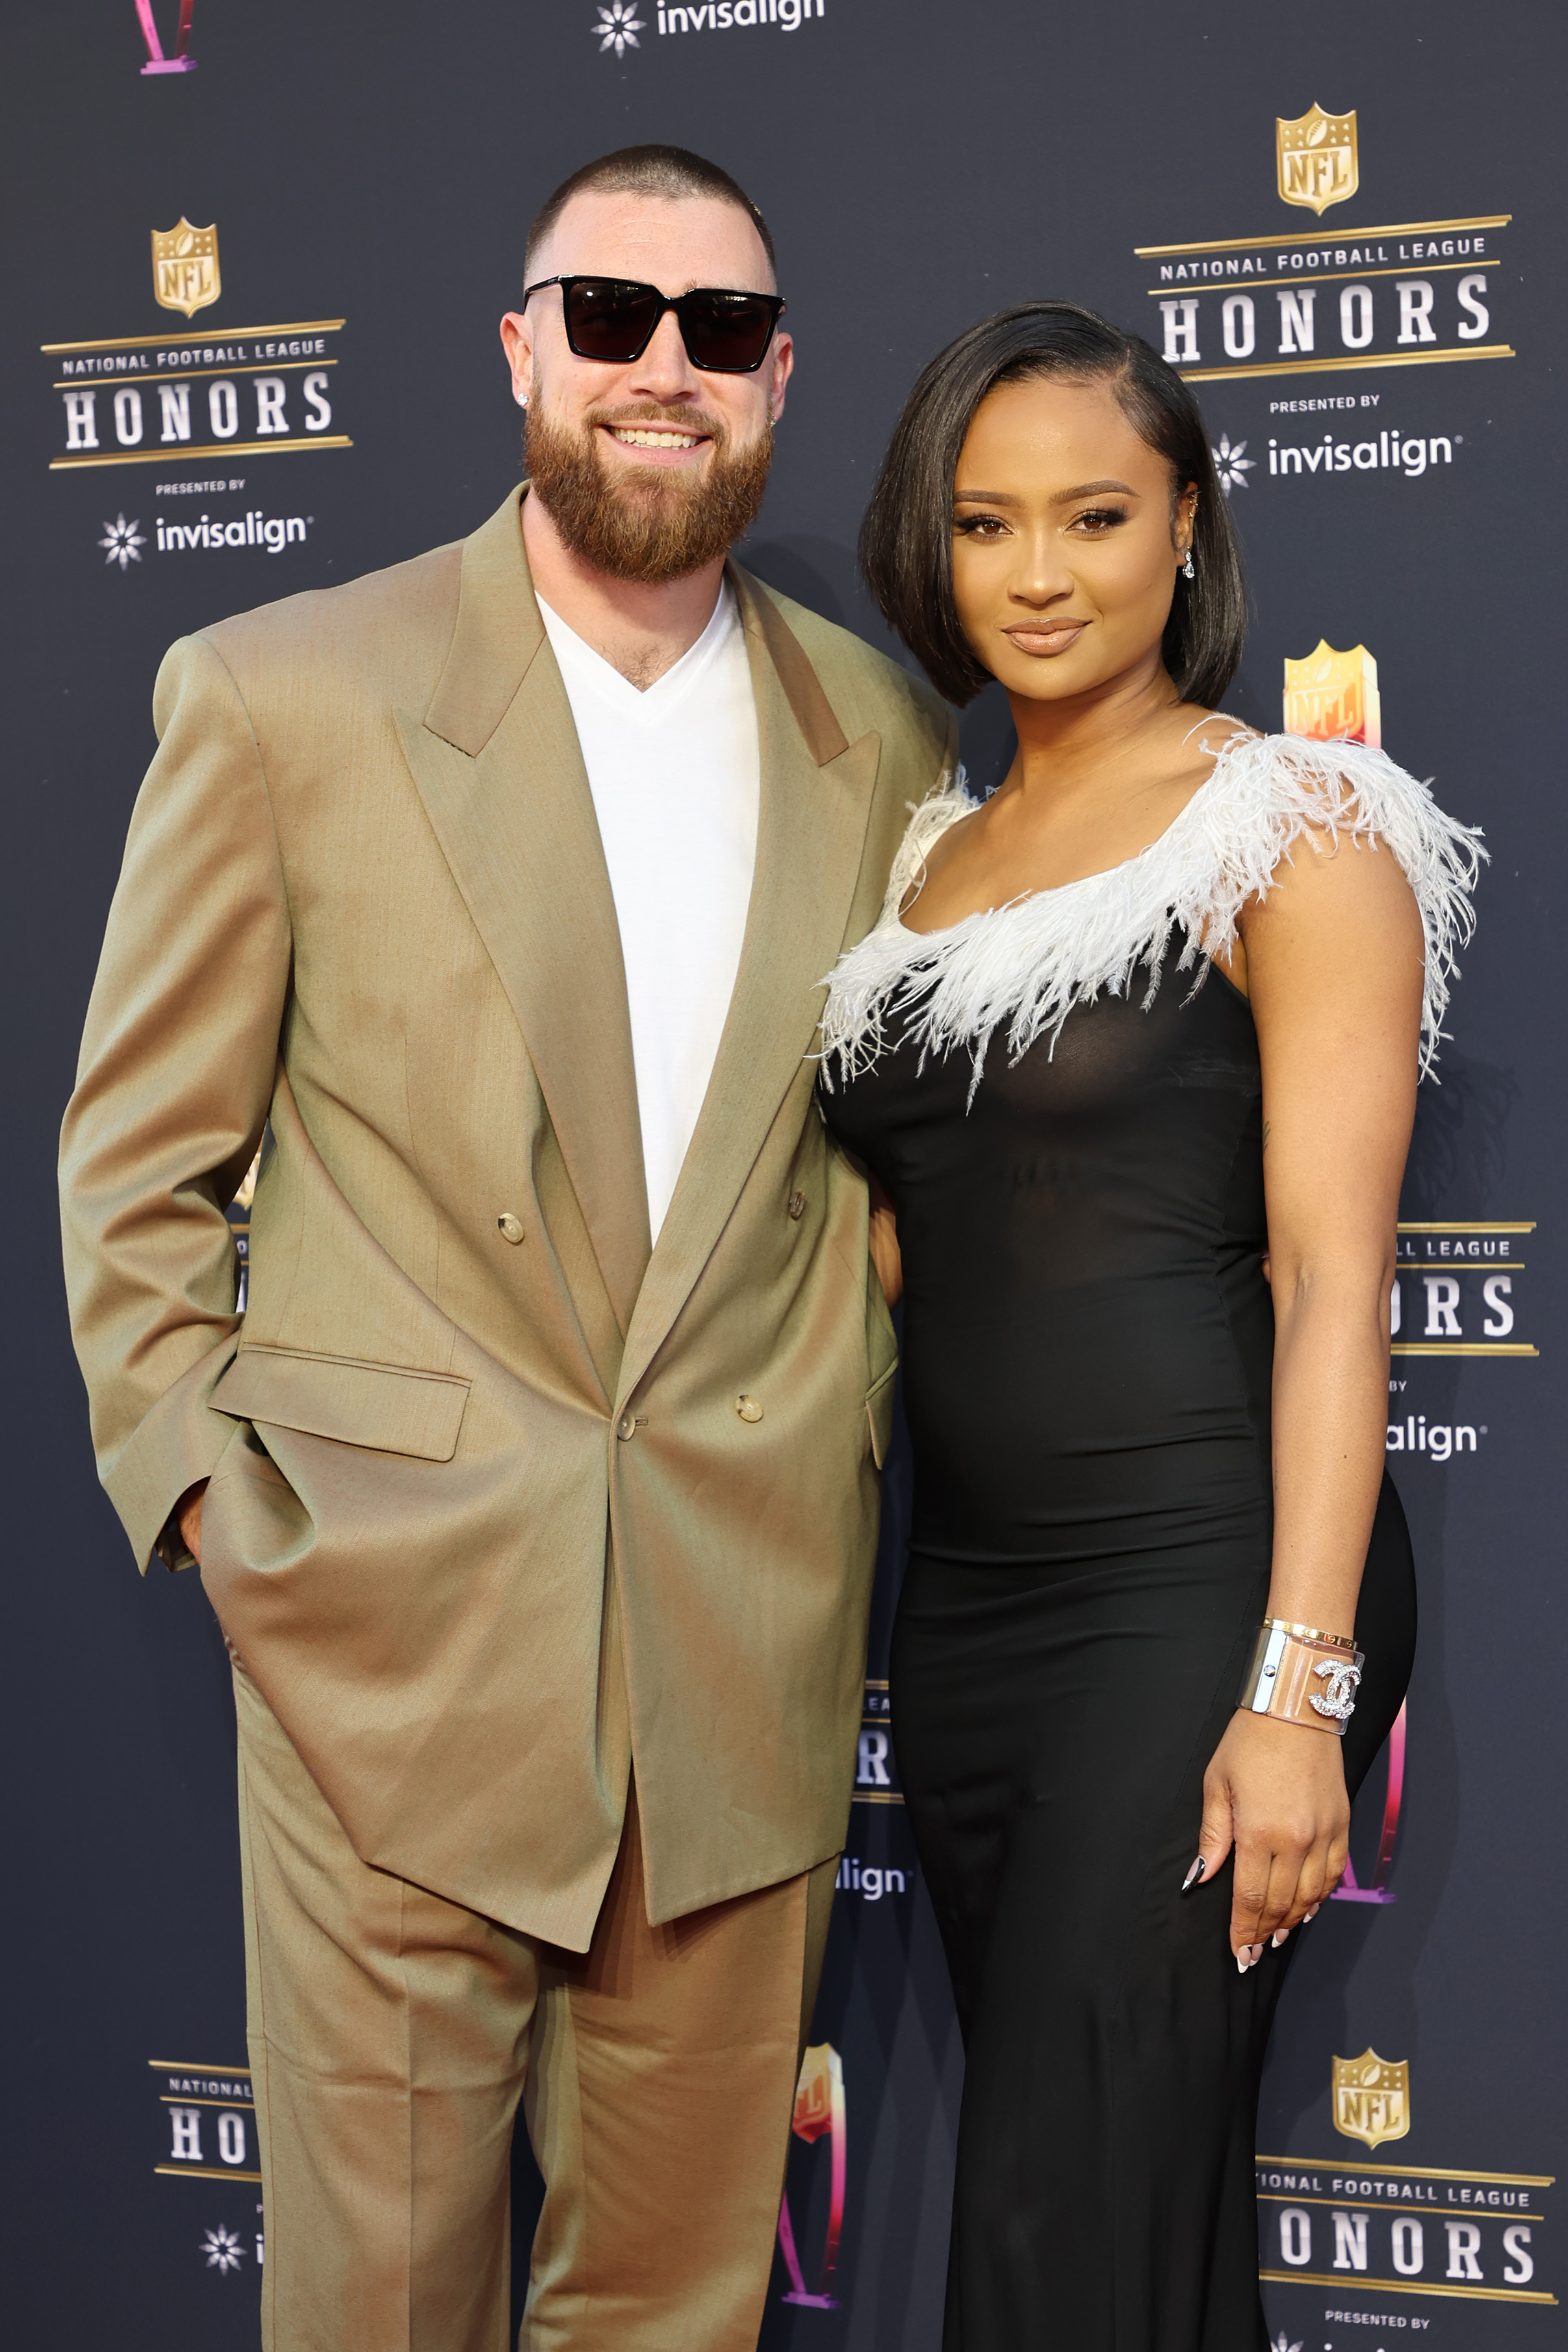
point(906, 539)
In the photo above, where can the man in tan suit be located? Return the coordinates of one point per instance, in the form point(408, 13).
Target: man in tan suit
point(536, 1490)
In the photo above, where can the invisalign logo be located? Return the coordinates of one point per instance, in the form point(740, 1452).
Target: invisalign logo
point(730, 15)
point(124, 541)
point(618, 28)
point(274, 533)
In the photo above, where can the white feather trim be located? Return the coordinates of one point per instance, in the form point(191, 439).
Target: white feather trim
point(1028, 963)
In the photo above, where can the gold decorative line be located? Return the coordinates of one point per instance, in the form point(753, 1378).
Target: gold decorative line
point(1424, 1264)
point(872, 1683)
point(1362, 2285)
point(183, 375)
point(183, 455)
point(185, 2066)
point(189, 2099)
point(1385, 2205)
point(877, 1797)
point(1341, 236)
point(1462, 1348)
point(1474, 1226)
point(203, 2172)
point(1407, 2171)
point(1324, 277)
point(1318, 367)
point(214, 334)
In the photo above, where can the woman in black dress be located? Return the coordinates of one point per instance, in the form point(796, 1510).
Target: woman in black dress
point(1130, 1057)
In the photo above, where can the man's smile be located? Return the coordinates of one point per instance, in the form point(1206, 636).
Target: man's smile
point(667, 439)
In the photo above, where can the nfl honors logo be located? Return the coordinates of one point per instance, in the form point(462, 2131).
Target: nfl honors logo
point(1372, 2097)
point(186, 267)
point(1317, 159)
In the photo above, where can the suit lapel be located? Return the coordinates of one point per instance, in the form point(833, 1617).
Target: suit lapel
point(816, 797)
point(496, 761)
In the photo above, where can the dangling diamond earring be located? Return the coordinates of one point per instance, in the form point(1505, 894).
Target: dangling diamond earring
point(1187, 571)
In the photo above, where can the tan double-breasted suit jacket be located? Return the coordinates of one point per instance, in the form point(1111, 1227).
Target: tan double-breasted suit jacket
point(485, 1523)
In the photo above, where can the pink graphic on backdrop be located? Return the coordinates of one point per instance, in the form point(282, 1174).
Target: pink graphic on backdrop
point(819, 2110)
point(1380, 1891)
point(157, 63)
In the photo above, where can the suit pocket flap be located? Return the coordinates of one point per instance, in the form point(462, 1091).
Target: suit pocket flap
point(879, 1413)
point(378, 1405)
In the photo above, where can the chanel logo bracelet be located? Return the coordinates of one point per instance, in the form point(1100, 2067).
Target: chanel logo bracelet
point(1303, 1676)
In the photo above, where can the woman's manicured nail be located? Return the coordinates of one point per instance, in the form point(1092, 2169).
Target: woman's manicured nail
point(1311, 1914)
point(1193, 1875)
point(1279, 1937)
point(1243, 1959)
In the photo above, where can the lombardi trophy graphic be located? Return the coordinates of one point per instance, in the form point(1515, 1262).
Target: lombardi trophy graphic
point(157, 63)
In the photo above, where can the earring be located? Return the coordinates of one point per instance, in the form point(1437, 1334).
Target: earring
point(1187, 570)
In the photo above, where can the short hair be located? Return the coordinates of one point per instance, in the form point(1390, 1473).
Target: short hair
point(906, 539)
point(669, 172)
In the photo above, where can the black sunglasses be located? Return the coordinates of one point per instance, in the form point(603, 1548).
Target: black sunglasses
point(724, 334)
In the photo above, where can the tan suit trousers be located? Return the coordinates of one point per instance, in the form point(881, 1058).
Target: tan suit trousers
point(392, 2034)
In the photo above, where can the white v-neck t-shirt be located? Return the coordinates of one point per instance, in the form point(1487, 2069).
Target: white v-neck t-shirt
point(676, 775)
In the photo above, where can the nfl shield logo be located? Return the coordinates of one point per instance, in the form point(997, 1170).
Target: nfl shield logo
point(820, 2089)
point(1330, 696)
point(1317, 159)
point(186, 267)
point(1372, 2097)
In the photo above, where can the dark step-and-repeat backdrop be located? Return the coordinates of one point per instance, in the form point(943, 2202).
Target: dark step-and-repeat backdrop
point(255, 258)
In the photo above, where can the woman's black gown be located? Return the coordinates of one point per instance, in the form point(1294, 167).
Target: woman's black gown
point(1087, 1357)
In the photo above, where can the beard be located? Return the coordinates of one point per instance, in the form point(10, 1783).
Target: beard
point(642, 523)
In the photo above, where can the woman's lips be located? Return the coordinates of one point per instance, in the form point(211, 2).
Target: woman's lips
point(1045, 637)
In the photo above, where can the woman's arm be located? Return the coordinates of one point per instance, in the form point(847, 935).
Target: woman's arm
point(884, 1251)
point(1331, 958)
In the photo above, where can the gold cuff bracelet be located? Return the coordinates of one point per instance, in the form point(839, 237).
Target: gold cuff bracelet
point(1311, 1633)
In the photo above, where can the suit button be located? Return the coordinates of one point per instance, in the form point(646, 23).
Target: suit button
point(748, 1407)
point(510, 1228)
point(796, 1205)
point(627, 1425)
